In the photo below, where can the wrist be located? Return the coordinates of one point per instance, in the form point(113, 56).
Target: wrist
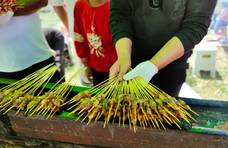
point(123, 54)
point(152, 61)
point(124, 58)
point(123, 48)
point(153, 66)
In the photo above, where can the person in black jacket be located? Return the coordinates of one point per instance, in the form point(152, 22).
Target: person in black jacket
point(157, 37)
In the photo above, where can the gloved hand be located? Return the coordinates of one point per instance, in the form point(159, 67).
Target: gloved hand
point(145, 69)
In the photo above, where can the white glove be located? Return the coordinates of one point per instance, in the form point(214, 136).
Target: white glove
point(4, 18)
point(145, 69)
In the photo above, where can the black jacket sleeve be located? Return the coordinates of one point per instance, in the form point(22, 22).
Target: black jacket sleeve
point(196, 22)
point(120, 19)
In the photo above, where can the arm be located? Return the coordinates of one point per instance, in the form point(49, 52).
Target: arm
point(170, 52)
point(123, 63)
point(61, 12)
point(194, 28)
point(196, 22)
point(121, 28)
point(31, 7)
point(58, 6)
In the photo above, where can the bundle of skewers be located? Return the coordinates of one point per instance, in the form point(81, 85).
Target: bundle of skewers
point(18, 95)
point(50, 102)
point(133, 102)
point(29, 94)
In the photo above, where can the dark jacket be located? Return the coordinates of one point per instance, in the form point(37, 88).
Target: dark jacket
point(151, 23)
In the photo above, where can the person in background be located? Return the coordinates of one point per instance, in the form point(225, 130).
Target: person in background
point(92, 39)
point(55, 37)
point(221, 22)
point(23, 48)
point(156, 37)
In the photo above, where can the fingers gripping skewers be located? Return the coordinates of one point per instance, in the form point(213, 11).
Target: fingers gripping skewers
point(132, 102)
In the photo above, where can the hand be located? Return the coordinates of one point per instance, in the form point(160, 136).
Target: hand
point(119, 68)
point(30, 7)
point(86, 75)
point(145, 69)
point(54, 53)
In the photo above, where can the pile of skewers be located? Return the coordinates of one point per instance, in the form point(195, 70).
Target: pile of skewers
point(28, 95)
point(49, 103)
point(134, 102)
point(19, 94)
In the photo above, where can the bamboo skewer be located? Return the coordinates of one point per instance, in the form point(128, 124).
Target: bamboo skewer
point(49, 103)
point(18, 95)
point(135, 102)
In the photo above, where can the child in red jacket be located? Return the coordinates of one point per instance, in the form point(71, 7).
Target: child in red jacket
point(92, 38)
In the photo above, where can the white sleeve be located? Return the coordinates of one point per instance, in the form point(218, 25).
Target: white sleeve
point(56, 2)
